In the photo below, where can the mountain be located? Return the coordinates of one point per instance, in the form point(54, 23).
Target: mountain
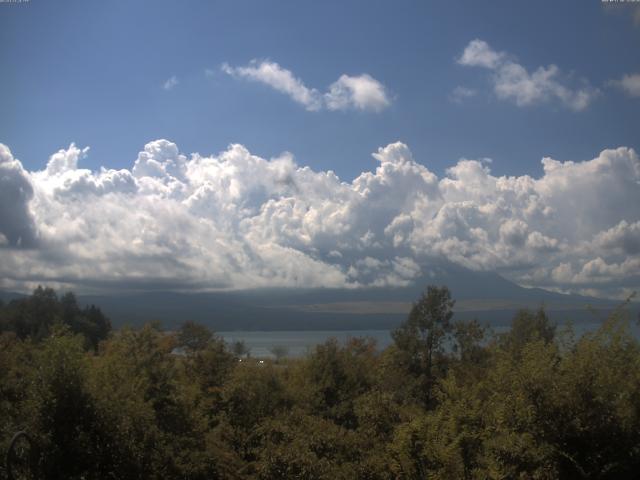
point(487, 296)
point(7, 296)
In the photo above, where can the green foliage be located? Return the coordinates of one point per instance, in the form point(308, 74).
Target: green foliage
point(193, 337)
point(34, 317)
point(298, 445)
point(420, 340)
point(333, 377)
point(253, 393)
point(61, 408)
point(447, 400)
point(279, 351)
point(240, 349)
point(528, 327)
point(209, 368)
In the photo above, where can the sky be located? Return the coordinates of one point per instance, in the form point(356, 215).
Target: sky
point(236, 144)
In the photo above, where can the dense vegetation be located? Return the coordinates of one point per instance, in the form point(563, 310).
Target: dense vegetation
point(446, 401)
point(34, 317)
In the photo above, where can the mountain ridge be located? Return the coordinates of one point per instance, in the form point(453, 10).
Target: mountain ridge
point(486, 296)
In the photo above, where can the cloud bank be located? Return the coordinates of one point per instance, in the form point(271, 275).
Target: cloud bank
point(361, 92)
point(513, 82)
point(236, 220)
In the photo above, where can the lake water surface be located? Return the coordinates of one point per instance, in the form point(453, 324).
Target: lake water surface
point(299, 343)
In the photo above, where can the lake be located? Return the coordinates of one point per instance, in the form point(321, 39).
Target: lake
point(299, 343)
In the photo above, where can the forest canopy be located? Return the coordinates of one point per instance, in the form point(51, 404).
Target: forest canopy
point(447, 399)
point(35, 317)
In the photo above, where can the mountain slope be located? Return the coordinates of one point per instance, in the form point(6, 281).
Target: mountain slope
point(486, 296)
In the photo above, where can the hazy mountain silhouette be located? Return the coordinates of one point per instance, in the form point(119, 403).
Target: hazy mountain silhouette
point(483, 295)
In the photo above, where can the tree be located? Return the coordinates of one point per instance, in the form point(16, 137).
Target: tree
point(527, 327)
point(90, 321)
point(61, 413)
point(420, 339)
point(35, 316)
point(97, 324)
point(279, 351)
point(334, 376)
point(193, 336)
point(240, 348)
point(468, 346)
point(210, 368)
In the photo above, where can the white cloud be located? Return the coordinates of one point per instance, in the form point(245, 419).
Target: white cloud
point(236, 220)
point(623, 238)
point(479, 54)
point(460, 94)
point(361, 92)
point(513, 82)
point(280, 79)
point(630, 84)
point(65, 160)
point(597, 271)
point(170, 83)
point(17, 226)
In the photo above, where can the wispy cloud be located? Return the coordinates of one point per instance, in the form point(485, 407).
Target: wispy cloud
point(170, 83)
point(460, 94)
point(362, 92)
point(513, 82)
point(630, 84)
point(280, 79)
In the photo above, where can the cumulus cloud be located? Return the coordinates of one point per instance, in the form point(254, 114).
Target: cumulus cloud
point(236, 220)
point(479, 54)
point(361, 92)
point(513, 82)
point(17, 226)
point(623, 238)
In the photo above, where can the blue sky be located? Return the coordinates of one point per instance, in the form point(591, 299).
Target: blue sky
point(92, 73)
point(505, 138)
